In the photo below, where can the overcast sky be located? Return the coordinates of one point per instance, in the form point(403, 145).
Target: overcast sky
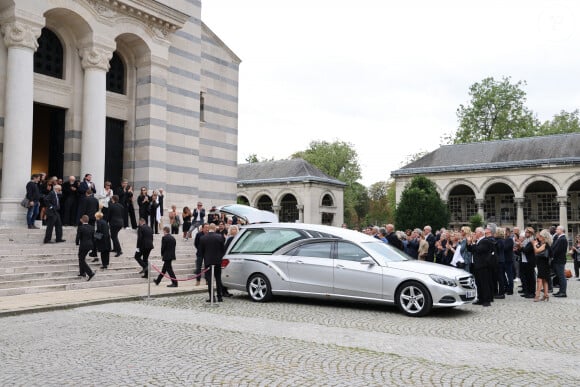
point(387, 76)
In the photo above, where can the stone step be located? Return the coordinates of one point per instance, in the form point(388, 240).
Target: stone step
point(70, 277)
point(81, 284)
point(42, 270)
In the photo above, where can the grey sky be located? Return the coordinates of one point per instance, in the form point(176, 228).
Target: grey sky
point(387, 76)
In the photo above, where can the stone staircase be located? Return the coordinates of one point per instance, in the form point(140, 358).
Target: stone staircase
point(29, 266)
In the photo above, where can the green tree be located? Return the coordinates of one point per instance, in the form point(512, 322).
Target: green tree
point(253, 158)
point(496, 111)
point(381, 207)
point(475, 221)
point(338, 159)
point(421, 205)
point(563, 122)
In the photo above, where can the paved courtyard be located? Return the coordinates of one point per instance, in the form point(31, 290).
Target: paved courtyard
point(290, 342)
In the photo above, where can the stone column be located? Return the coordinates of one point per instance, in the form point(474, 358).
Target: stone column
point(95, 62)
point(520, 213)
point(563, 202)
point(276, 208)
point(480, 211)
point(300, 213)
point(21, 40)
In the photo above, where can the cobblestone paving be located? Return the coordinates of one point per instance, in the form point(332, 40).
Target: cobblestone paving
point(293, 342)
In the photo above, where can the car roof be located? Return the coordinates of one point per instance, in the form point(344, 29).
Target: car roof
point(339, 232)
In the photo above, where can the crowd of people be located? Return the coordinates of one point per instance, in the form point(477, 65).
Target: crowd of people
point(100, 215)
point(496, 256)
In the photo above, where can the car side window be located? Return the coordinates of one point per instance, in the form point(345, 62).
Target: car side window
point(316, 250)
point(349, 252)
point(264, 241)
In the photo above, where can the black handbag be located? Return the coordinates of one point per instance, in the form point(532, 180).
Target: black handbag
point(25, 203)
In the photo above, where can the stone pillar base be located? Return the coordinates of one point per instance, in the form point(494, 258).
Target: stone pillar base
point(12, 213)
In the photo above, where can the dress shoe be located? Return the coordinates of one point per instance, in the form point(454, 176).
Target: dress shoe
point(119, 254)
point(520, 291)
point(560, 295)
point(48, 242)
point(91, 276)
point(172, 286)
point(142, 271)
point(227, 294)
point(529, 296)
point(144, 275)
point(156, 282)
point(103, 267)
point(81, 275)
point(486, 304)
point(510, 293)
point(61, 240)
point(34, 227)
point(499, 296)
point(220, 299)
point(95, 260)
point(476, 303)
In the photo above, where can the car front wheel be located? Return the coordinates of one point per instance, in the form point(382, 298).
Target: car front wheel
point(259, 288)
point(414, 299)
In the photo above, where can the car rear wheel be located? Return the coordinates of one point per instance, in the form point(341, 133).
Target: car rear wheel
point(414, 299)
point(259, 288)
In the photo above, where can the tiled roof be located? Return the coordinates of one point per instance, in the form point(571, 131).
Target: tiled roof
point(516, 153)
point(282, 171)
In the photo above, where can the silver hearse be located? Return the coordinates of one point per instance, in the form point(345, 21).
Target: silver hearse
point(306, 260)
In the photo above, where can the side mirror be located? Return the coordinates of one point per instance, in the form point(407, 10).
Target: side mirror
point(367, 261)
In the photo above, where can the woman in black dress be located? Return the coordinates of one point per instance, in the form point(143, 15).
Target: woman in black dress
point(186, 216)
point(542, 254)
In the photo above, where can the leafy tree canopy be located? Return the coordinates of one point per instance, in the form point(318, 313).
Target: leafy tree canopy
point(496, 111)
point(421, 205)
point(339, 159)
point(562, 122)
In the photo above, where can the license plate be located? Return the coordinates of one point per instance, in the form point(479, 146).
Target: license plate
point(470, 294)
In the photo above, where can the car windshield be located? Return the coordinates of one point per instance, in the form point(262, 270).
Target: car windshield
point(381, 251)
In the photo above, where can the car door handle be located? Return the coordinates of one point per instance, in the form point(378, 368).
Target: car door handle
point(298, 261)
point(339, 267)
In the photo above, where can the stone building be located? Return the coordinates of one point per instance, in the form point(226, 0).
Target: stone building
point(530, 181)
point(142, 90)
point(293, 189)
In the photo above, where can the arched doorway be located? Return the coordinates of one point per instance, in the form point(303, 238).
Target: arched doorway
point(327, 217)
point(288, 209)
point(573, 208)
point(541, 208)
point(265, 203)
point(461, 204)
point(499, 206)
point(48, 122)
point(243, 200)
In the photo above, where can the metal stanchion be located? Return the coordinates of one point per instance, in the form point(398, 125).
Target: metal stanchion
point(211, 302)
point(148, 280)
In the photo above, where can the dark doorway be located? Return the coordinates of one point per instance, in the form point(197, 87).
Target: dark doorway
point(48, 140)
point(114, 151)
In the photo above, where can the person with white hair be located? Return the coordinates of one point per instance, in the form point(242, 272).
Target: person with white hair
point(483, 248)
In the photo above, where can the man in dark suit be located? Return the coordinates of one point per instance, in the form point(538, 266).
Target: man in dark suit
point(85, 240)
point(430, 238)
point(198, 256)
point(559, 249)
point(33, 196)
point(70, 200)
point(392, 237)
point(484, 258)
point(144, 246)
point(168, 255)
point(53, 215)
point(212, 249)
point(89, 206)
point(115, 219)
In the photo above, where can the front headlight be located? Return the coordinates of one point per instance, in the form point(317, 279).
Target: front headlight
point(443, 280)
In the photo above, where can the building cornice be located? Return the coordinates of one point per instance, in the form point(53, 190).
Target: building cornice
point(487, 166)
point(159, 17)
